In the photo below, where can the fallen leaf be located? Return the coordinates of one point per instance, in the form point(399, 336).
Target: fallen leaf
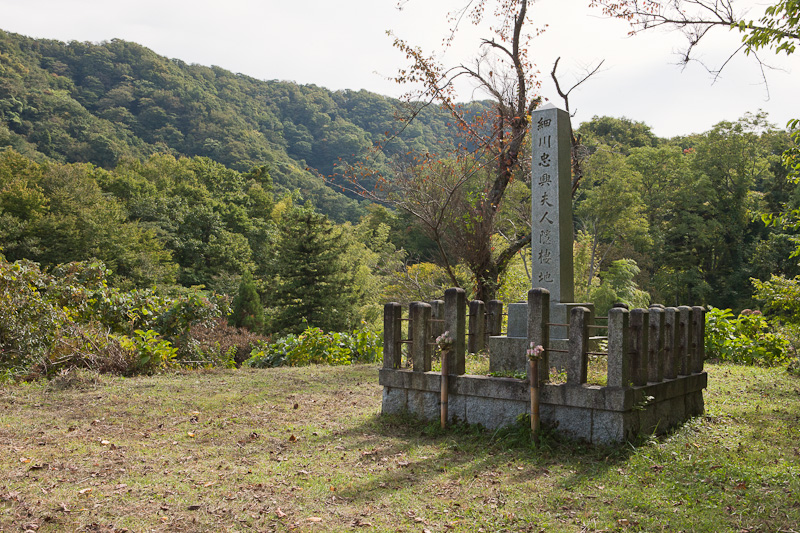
point(313, 519)
point(193, 508)
point(292, 438)
point(105, 442)
point(296, 406)
point(24, 460)
point(85, 491)
point(279, 513)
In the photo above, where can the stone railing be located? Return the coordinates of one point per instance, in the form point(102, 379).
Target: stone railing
point(654, 377)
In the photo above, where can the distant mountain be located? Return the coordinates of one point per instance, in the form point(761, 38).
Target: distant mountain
point(108, 102)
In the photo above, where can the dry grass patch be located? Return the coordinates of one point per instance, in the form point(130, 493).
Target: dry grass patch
point(304, 449)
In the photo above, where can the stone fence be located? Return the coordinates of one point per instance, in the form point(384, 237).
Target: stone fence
point(655, 376)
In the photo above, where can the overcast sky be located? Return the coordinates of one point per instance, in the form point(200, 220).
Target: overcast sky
point(342, 44)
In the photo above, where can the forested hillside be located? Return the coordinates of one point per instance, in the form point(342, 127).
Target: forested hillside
point(117, 101)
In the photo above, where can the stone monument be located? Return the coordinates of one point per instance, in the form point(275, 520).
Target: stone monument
point(551, 240)
point(551, 203)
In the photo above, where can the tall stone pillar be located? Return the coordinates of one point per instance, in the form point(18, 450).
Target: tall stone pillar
point(551, 210)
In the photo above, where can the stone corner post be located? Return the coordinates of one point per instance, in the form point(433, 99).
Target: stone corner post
point(699, 339)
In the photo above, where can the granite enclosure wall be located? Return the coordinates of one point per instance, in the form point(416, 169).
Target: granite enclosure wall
point(655, 377)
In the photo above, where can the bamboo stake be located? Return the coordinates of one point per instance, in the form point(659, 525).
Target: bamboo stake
point(534, 356)
point(444, 388)
point(533, 373)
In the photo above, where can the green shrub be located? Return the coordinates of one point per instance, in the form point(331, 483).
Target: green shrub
point(154, 353)
point(313, 346)
point(71, 318)
point(746, 339)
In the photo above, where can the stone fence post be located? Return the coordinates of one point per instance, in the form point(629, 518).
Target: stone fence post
point(698, 338)
point(392, 335)
point(437, 316)
point(420, 333)
point(538, 329)
point(455, 321)
point(619, 348)
point(477, 326)
point(671, 343)
point(639, 325)
point(684, 339)
point(655, 347)
point(494, 319)
point(578, 358)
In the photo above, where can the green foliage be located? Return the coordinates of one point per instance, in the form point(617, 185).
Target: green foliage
point(29, 323)
point(247, 309)
point(620, 134)
point(114, 102)
point(618, 285)
point(154, 353)
point(744, 339)
point(314, 347)
point(315, 275)
point(50, 321)
point(779, 28)
point(780, 296)
point(217, 344)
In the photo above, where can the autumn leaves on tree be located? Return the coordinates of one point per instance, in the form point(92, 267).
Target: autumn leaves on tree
point(456, 197)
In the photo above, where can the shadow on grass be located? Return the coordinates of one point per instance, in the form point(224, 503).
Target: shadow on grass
point(409, 452)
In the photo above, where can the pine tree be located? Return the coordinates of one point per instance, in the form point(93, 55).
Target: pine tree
point(315, 284)
point(247, 309)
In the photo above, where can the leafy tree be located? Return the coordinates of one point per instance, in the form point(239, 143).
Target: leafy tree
point(611, 211)
point(619, 134)
point(466, 188)
point(314, 286)
point(618, 285)
point(247, 310)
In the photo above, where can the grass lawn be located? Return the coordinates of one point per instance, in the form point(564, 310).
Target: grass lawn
point(305, 449)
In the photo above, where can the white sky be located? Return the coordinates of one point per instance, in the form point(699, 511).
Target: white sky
point(342, 44)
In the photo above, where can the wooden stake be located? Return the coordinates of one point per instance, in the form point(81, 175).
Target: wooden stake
point(533, 378)
point(444, 388)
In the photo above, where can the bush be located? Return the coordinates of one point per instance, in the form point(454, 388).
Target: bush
point(153, 353)
point(746, 339)
point(313, 346)
point(73, 319)
point(218, 344)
